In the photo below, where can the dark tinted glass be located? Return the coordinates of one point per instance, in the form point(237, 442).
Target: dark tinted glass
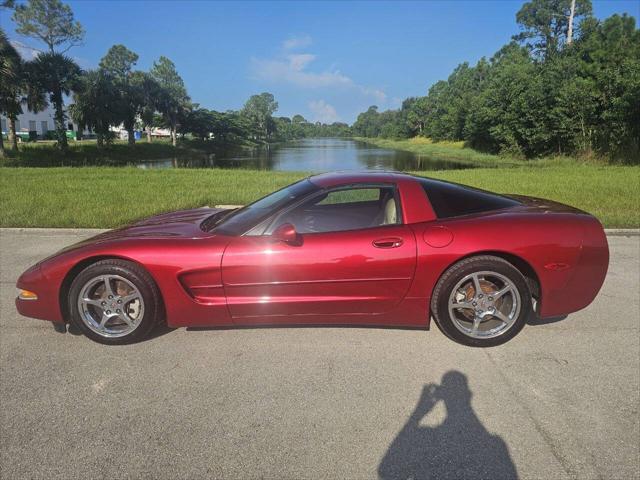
point(452, 200)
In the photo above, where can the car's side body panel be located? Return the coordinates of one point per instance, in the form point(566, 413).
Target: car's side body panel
point(324, 274)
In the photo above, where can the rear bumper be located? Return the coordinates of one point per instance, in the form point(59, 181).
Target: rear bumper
point(586, 278)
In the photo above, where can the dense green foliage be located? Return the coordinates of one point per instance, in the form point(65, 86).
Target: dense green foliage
point(538, 95)
point(73, 197)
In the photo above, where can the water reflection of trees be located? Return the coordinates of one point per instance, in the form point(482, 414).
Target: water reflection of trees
point(311, 154)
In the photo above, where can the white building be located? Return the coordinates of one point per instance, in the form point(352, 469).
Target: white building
point(41, 123)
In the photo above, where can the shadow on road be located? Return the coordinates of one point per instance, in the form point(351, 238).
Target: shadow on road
point(535, 320)
point(457, 447)
point(156, 332)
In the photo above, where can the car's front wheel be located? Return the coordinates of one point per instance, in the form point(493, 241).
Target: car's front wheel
point(114, 302)
point(481, 301)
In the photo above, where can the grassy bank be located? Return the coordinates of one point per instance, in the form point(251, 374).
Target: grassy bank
point(109, 197)
point(456, 152)
point(118, 153)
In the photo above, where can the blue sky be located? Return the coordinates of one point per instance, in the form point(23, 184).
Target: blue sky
point(325, 60)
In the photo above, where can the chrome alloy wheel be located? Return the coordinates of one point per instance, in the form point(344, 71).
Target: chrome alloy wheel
point(484, 304)
point(111, 306)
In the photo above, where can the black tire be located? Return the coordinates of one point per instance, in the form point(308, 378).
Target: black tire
point(449, 280)
point(135, 274)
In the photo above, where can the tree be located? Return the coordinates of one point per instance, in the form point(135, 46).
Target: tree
point(10, 65)
point(609, 55)
point(231, 125)
point(200, 122)
point(57, 75)
point(172, 100)
point(150, 93)
point(416, 111)
point(298, 119)
point(95, 104)
point(16, 89)
point(259, 109)
point(49, 21)
point(52, 22)
point(118, 65)
point(119, 62)
point(368, 123)
point(545, 23)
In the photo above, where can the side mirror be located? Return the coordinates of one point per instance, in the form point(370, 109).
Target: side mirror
point(286, 233)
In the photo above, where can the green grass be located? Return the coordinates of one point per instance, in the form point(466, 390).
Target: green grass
point(109, 197)
point(119, 153)
point(456, 152)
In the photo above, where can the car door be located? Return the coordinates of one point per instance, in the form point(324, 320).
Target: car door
point(331, 270)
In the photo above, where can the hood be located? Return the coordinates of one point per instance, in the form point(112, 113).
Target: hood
point(180, 224)
point(183, 223)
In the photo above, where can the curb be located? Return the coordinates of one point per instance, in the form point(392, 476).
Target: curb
point(610, 232)
point(53, 231)
point(622, 232)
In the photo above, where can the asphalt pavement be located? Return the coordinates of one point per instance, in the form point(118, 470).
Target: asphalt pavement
point(561, 400)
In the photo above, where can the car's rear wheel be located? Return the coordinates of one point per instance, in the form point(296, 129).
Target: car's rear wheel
point(481, 301)
point(114, 302)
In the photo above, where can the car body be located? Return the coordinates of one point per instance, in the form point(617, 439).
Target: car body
point(224, 268)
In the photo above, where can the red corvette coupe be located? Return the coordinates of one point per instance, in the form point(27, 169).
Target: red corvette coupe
point(374, 248)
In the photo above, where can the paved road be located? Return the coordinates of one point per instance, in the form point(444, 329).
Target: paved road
point(559, 401)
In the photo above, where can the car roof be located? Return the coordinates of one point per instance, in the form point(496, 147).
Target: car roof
point(348, 177)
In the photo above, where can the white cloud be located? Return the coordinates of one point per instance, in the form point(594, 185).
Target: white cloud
point(299, 61)
point(323, 112)
point(296, 42)
point(25, 51)
point(294, 68)
point(378, 94)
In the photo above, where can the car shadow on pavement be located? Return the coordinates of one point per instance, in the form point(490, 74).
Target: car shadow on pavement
point(457, 447)
point(157, 331)
point(534, 320)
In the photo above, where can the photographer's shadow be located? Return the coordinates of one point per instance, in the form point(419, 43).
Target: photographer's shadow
point(459, 447)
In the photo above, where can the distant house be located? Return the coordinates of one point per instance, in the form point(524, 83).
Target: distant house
point(41, 123)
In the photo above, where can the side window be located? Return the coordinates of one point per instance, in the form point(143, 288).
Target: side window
point(351, 196)
point(343, 209)
point(452, 200)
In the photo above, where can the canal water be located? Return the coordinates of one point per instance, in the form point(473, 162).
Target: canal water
point(311, 154)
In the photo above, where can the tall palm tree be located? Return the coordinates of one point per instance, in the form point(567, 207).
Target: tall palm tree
point(150, 91)
point(58, 75)
point(10, 66)
point(96, 104)
point(17, 88)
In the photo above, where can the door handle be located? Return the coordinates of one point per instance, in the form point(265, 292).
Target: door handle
point(391, 242)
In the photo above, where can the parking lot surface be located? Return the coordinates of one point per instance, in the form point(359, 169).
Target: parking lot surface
point(559, 401)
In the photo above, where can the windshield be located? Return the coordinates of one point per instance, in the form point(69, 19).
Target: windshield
point(237, 222)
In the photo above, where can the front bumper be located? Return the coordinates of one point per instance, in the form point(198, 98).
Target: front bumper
point(47, 305)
